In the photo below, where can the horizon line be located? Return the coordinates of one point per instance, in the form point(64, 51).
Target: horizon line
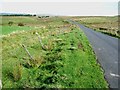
point(54, 14)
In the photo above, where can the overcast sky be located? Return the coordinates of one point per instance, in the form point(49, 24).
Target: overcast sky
point(62, 8)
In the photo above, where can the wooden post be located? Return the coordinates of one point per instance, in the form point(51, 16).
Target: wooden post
point(0, 84)
point(27, 52)
point(40, 40)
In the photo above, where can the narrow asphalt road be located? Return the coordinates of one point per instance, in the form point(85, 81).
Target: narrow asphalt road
point(106, 50)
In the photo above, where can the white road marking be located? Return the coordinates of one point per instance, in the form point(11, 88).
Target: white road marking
point(114, 75)
point(99, 48)
point(116, 62)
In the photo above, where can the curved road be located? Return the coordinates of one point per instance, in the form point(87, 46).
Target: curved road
point(106, 50)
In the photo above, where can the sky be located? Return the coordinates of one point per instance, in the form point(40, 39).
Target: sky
point(63, 7)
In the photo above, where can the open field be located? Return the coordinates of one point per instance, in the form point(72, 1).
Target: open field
point(60, 55)
point(104, 24)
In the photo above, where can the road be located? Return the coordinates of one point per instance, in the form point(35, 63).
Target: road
point(106, 50)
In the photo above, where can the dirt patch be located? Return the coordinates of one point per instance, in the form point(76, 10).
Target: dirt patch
point(80, 46)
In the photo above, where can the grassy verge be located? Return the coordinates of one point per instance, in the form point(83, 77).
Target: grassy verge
point(0, 52)
point(106, 25)
point(67, 60)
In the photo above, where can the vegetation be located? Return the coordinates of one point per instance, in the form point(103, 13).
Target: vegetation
point(107, 25)
point(65, 61)
point(12, 14)
point(20, 24)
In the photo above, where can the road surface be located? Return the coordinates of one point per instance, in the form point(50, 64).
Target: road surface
point(106, 50)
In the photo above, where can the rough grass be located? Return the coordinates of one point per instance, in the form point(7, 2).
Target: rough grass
point(67, 61)
point(107, 25)
point(30, 23)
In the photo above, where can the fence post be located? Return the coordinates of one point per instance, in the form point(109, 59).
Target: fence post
point(27, 52)
point(40, 40)
point(0, 84)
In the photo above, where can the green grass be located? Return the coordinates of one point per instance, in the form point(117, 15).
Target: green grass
point(10, 29)
point(30, 23)
point(80, 64)
point(68, 60)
